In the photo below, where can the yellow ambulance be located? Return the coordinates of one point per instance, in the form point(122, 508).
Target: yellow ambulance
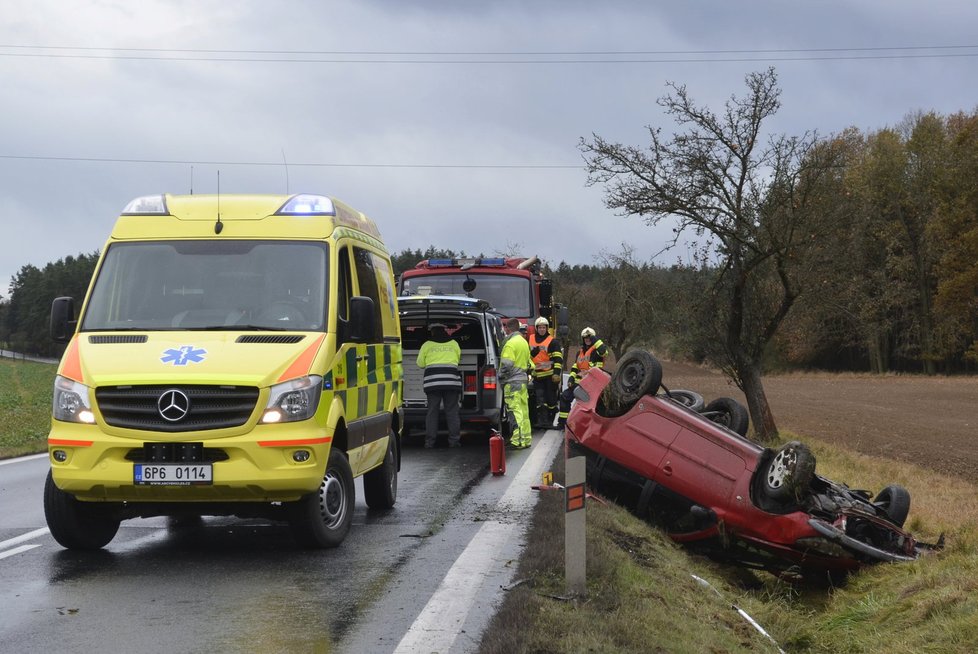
point(235, 355)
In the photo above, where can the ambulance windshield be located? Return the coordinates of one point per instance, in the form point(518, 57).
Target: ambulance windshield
point(210, 285)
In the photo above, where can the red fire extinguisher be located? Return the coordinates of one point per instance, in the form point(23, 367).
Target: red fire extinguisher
point(497, 454)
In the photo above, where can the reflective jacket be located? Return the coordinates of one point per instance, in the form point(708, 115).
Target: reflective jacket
point(587, 358)
point(514, 360)
point(548, 360)
point(440, 363)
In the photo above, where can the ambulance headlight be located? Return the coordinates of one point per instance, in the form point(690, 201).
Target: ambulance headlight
point(71, 401)
point(293, 400)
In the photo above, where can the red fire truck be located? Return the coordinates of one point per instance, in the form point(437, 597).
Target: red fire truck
point(515, 287)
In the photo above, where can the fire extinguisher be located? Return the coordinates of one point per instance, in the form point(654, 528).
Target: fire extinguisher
point(497, 454)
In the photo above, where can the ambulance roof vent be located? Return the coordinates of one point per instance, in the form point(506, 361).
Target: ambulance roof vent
point(307, 205)
point(148, 205)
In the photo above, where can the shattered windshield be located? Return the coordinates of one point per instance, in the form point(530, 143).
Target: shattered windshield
point(210, 285)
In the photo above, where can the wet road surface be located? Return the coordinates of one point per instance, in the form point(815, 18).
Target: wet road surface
point(225, 584)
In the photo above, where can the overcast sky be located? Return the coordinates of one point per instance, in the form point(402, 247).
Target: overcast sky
point(446, 121)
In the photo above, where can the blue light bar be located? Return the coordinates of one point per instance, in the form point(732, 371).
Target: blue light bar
point(498, 261)
point(441, 263)
point(307, 205)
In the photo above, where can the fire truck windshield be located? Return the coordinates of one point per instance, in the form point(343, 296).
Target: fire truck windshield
point(508, 294)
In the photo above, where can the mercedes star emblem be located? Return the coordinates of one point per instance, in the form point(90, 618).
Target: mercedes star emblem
point(174, 405)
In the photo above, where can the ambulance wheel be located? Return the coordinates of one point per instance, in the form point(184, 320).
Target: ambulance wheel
point(380, 484)
point(77, 525)
point(322, 519)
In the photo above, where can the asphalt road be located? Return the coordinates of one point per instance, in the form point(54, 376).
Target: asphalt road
point(428, 571)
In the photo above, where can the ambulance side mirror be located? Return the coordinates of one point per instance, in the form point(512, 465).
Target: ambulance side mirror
point(363, 322)
point(63, 321)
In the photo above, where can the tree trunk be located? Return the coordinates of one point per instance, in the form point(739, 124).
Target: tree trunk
point(765, 428)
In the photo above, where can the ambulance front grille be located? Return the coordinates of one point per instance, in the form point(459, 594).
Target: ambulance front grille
point(187, 407)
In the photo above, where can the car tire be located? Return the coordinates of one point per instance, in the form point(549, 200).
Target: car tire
point(730, 413)
point(380, 484)
point(77, 525)
point(637, 374)
point(689, 399)
point(787, 476)
point(322, 519)
point(894, 500)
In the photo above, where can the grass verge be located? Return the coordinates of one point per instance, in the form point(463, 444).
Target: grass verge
point(642, 596)
point(25, 406)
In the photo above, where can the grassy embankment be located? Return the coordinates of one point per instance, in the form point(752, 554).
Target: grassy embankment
point(642, 596)
point(25, 406)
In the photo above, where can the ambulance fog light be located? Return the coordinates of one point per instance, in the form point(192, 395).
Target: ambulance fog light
point(300, 456)
point(293, 400)
point(60, 456)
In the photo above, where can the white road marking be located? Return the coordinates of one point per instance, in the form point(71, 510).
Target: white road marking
point(24, 459)
point(438, 625)
point(4, 544)
point(18, 550)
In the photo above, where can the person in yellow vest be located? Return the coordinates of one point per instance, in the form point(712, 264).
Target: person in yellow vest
point(548, 363)
point(591, 355)
point(514, 363)
point(440, 356)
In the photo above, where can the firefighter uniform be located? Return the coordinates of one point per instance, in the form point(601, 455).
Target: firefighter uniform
point(515, 361)
point(442, 384)
point(590, 355)
point(548, 363)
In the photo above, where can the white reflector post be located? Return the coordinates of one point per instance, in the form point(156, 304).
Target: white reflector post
point(575, 541)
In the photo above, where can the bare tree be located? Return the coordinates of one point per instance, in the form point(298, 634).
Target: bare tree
point(752, 199)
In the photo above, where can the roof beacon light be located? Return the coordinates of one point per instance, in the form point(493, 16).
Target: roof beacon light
point(493, 262)
point(148, 205)
point(307, 205)
point(441, 263)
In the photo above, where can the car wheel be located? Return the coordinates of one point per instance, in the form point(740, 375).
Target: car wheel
point(789, 473)
point(77, 525)
point(322, 519)
point(380, 484)
point(730, 413)
point(638, 374)
point(895, 502)
point(689, 399)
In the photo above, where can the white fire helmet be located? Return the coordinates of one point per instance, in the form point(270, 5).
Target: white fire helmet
point(541, 321)
point(587, 331)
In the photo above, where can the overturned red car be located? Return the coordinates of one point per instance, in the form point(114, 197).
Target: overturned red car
point(719, 493)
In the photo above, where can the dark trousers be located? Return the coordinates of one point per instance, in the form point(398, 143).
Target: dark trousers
point(435, 399)
point(543, 404)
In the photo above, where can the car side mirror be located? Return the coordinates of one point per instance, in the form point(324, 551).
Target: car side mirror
point(63, 321)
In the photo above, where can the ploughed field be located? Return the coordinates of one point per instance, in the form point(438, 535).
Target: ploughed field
point(928, 421)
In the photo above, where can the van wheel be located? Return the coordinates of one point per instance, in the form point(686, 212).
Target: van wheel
point(77, 525)
point(380, 484)
point(322, 519)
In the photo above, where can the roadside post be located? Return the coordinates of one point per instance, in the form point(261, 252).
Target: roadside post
point(574, 534)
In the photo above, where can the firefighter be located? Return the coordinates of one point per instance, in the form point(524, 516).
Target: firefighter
point(440, 356)
point(548, 363)
point(590, 355)
point(515, 362)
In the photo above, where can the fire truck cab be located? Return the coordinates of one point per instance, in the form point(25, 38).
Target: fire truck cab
point(514, 287)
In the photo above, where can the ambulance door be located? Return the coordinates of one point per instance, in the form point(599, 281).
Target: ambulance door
point(350, 356)
point(374, 359)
